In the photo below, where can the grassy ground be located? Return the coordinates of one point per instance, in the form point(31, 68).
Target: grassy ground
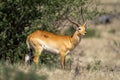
point(97, 57)
point(24, 72)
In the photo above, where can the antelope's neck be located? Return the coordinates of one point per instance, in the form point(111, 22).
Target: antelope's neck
point(76, 38)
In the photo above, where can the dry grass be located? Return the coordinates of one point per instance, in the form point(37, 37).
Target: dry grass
point(23, 72)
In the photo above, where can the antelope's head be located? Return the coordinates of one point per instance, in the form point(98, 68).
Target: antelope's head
point(81, 29)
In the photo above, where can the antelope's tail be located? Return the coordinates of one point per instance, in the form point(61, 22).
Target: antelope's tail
point(28, 56)
point(28, 43)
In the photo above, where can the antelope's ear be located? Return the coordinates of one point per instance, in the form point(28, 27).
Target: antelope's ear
point(75, 27)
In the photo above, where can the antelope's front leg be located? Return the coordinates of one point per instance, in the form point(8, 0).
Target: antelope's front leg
point(62, 55)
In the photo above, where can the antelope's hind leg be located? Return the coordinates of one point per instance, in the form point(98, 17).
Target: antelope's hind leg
point(37, 55)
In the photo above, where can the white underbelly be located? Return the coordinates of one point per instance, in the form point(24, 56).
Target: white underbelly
point(49, 48)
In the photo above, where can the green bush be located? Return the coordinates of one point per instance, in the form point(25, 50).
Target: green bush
point(49, 59)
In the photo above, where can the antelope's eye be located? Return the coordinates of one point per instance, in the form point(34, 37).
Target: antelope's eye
point(79, 28)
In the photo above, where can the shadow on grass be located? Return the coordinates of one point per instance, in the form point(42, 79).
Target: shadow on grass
point(11, 73)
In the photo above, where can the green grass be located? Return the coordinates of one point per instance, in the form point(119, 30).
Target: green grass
point(92, 33)
point(112, 31)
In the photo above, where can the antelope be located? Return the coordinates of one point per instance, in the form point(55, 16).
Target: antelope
point(60, 44)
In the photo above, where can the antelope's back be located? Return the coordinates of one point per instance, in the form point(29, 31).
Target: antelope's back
point(49, 39)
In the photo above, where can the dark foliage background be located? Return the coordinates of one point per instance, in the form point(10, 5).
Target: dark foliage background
point(18, 18)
